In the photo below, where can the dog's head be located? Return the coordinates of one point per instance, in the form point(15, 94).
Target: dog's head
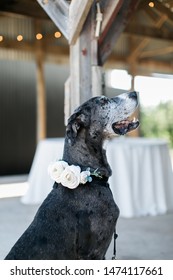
point(104, 117)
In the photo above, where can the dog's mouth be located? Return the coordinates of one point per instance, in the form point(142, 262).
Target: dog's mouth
point(124, 126)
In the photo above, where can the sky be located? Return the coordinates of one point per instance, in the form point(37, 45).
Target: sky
point(152, 90)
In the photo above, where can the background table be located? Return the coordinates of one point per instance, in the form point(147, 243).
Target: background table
point(40, 183)
point(142, 180)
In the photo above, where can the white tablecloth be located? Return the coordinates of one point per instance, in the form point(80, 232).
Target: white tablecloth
point(40, 183)
point(142, 180)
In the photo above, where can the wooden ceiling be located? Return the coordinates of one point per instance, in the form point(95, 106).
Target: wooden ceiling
point(145, 45)
point(29, 8)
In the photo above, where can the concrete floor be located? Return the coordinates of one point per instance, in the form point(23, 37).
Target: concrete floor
point(139, 238)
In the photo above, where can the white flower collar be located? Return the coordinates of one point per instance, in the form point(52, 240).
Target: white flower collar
point(70, 176)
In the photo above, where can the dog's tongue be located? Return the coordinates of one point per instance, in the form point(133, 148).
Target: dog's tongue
point(122, 127)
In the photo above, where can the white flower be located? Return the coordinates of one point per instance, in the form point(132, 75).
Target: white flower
point(55, 170)
point(70, 177)
point(84, 177)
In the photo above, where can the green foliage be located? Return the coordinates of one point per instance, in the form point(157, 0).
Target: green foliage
point(158, 121)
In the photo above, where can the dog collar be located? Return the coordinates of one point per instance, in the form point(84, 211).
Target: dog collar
point(71, 176)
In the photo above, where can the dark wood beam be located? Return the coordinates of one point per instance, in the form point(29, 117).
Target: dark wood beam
point(148, 31)
point(151, 13)
point(162, 9)
point(156, 65)
point(120, 21)
point(139, 47)
point(147, 65)
point(23, 7)
point(157, 52)
point(110, 9)
point(158, 8)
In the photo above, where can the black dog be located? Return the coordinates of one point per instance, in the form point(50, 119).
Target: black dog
point(79, 223)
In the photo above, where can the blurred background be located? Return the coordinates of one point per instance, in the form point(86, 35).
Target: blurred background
point(141, 60)
point(34, 67)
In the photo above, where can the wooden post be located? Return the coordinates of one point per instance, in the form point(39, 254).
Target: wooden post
point(78, 12)
point(84, 70)
point(67, 101)
point(97, 80)
point(89, 46)
point(41, 92)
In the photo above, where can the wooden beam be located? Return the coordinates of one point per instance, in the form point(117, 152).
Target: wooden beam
point(146, 65)
point(135, 53)
point(107, 43)
point(60, 54)
point(157, 66)
point(83, 57)
point(110, 8)
point(58, 11)
point(41, 91)
point(162, 9)
point(157, 52)
point(41, 100)
point(97, 80)
point(151, 13)
point(67, 100)
point(80, 70)
point(150, 32)
point(78, 12)
point(23, 8)
point(154, 16)
point(159, 9)
point(75, 75)
point(26, 46)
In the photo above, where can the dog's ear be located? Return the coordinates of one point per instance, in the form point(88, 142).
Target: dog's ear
point(75, 123)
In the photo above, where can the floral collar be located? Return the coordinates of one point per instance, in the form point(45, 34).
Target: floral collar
point(70, 176)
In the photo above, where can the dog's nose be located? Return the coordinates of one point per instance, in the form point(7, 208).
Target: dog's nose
point(133, 95)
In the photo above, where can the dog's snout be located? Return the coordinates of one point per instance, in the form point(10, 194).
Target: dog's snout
point(133, 95)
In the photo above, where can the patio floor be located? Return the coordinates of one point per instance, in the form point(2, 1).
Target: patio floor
point(139, 238)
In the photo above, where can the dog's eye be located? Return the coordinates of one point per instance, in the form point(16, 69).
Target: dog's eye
point(104, 101)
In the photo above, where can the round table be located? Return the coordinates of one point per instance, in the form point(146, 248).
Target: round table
point(39, 181)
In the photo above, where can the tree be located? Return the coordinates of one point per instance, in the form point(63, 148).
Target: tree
point(158, 121)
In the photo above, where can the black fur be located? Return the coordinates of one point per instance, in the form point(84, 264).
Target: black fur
point(78, 223)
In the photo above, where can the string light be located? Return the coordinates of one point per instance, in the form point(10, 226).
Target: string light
point(151, 4)
point(39, 36)
point(57, 34)
point(19, 38)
